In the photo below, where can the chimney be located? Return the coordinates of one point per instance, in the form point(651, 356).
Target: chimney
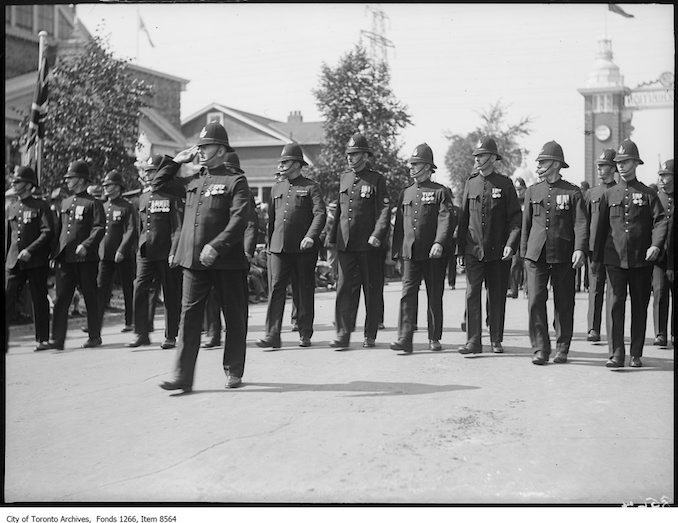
point(295, 117)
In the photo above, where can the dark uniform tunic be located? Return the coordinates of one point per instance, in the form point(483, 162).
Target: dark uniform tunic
point(596, 269)
point(662, 289)
point(631, 220)
point(216, 213)
point(424, 217)
point(296, 210)
point(555, 224)
point(159, 228)
point(489, 221)
point(119, 236)
point(82, 222)
point(363, 210)
point(28, 225)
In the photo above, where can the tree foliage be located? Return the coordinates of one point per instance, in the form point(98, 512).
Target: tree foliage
point(459, 156)
point(93, 115)
point(355, 96)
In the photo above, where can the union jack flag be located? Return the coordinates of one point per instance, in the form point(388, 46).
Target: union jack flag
point(36, 125)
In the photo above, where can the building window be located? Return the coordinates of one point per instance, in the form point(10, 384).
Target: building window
point(215, 116)
point(24, 16)
point(602, 103)
point(46, 18)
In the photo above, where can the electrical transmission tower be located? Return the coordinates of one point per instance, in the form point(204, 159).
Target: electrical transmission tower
point(379, 44)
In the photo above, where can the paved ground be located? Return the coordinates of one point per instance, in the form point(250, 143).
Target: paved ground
point(363, 426)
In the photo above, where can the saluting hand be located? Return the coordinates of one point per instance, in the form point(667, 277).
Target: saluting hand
point(374, 241)
point(24, 256)
point(508, 252)
point(436, 251)
point(652, 253)
point(208, 255)
point(80, 250)
point(578, 259)
point(186, 155)
point(306, 243)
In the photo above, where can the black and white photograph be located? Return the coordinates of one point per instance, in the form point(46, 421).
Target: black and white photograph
point(323, 255)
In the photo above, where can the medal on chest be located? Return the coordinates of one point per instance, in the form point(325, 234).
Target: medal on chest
point(28, 216)
point(366, 191)
point(637, 199)
point(427, 197)
point(563, 201)
point(79, 212)
point(116, 216)
point(160, 206)
point(215, 189)
point(496, 192)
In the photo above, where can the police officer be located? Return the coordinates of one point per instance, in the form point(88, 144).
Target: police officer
point(489, 232)
point(662, 288)
point(629, 236)
point(159, 229)
point(517, 271)
point(213, 307)
point(211, 253)
point(116, 248)
point(80, 230)
point(422, 237)
point(296, 217)
point(606, 172)
point(28, 235)
point(361, 226)
point(554, 239)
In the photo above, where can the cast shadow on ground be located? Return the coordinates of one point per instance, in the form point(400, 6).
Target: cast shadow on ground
point(362, 388)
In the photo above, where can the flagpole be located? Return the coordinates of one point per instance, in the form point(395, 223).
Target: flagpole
point(38, 143)
point(137, 35)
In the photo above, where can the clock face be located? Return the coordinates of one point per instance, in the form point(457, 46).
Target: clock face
point(603, 132)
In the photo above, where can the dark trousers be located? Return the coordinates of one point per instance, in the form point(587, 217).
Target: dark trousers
point(562, 279)
point(495, 274)
point(231, 288)
point(433, 273)
point(37, 284)
point(661, 289)
point(639, 284)
point(299, 268)
point(170, 279)
point(213, 316)
point(68, 275)
point(452, 270)
point(597, 279)
point(107, 269)
point(516, 273)
point(359, 269)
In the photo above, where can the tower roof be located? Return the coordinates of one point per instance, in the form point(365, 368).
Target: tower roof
point(605, 73)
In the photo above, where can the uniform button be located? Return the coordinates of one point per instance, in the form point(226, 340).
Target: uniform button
point(349, 219)
point(547, 228)
point(196, 225)
point(199, 203)
point(414, 228)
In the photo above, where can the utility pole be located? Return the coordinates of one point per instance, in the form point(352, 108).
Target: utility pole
point(378, 43)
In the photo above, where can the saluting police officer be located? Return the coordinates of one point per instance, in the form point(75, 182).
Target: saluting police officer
point(488, 236)
point(606, 170)
point(115, 250)
point(80, 230)
point(211, 253)
point(296, 217)
point(629, 236)
point(361, 226)
point(662, 288)
point(159, 229)
point(554, 239)
point(422, 237)
point(28, 236)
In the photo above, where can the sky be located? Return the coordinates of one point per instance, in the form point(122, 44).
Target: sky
point(449, 62)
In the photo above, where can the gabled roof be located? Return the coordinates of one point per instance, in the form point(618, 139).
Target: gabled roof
point(169, 135)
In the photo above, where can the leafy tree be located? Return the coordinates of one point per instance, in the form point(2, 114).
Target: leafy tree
point(459, 156)
point(355, 96)
point(93, 114)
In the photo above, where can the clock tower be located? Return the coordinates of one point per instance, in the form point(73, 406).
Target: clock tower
point(606, 120)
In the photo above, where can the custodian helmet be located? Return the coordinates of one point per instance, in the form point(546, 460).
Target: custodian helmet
point(552, 151)
point(214, 133)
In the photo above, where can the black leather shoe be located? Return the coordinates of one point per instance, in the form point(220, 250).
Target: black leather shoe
point(660, 341)
point(540, 358)
point(561, 357)
point(635, 362)
point(381, 326)
point(593, 335)
point(497, 347)
point(268, 342)
point(211, 343)
point(304, 341)
point(434, 345)
point(470, 349)
point(84, 329)
point(43, 345)
point(613, 363)
point(513, 295)
point(369, 342)
point(92, 342)
point(127, 328)
point(139, 341)
point(175, 385)
point(405, 346)
point(169, 343)
point(339, 344)
point(233, 382)
point(53, 345)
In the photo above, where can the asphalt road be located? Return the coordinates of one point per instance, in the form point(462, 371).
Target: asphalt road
point(319, 426)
